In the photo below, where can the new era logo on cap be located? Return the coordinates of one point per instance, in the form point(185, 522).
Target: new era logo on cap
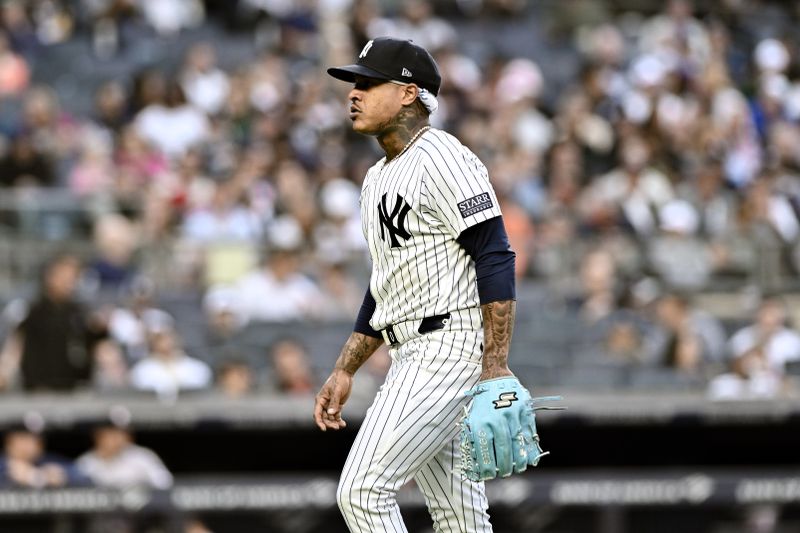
point(393, 59)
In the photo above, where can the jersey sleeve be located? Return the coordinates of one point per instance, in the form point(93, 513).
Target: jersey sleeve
point(457, 187)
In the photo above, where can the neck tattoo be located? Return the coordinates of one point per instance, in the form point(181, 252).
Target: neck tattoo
point(411, 141)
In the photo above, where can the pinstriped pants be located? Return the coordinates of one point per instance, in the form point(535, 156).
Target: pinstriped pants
point(410, 431)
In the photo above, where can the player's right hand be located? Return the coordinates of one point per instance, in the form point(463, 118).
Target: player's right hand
point(330, 399)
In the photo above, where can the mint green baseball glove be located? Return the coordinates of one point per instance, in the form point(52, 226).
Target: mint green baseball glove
point(498, 430)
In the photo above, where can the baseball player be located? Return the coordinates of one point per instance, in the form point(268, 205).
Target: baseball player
point(441, 295)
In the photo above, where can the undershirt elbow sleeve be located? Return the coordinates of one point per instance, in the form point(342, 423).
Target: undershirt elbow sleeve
point(487, 244)
point(365, 315)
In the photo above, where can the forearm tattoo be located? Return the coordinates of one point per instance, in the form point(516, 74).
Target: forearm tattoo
point(356, 350)
point(498, 325)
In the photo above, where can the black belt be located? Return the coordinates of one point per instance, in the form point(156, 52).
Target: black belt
point(426, 325)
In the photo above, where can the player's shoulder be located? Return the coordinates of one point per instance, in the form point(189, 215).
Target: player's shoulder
point(376, 166)
point(443, 149)
point(440, 140)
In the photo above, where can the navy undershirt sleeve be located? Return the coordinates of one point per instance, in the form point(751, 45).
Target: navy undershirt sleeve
point(487, 245)
point(364, 315)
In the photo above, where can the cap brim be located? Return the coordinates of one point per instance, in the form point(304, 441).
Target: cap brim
point(348, 73)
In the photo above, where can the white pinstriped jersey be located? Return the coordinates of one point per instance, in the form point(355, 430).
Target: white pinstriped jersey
point(412, 209)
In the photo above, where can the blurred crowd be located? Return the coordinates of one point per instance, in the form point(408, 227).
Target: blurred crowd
point(664, 165)
point(114, 461)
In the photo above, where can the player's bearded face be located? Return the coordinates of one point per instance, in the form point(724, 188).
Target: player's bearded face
point(374, 104)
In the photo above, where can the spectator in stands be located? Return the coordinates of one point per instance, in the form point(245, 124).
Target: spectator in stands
point(235, 379)
point(340, 289)
point(225, 220)
point(223, 321)
point(54, 346)
point(690, 342)
point(116, 461)
point(111, 107)
point(129, 322)
point(417, 22)
point(191, 188)
point(53, 21)
point(770, 342)
point(21, 32)
point(141, 172)
point(93, 175)
point(518, 91)
point(677, 254)
point(629, 194)
point(291, 369)
point(279, 291)
point(613, 333)
point(720, 220)
point(770, 223)
point(14, 71)
point(715, 205)
point(585, 122)
point(520, 231)
point(116, 240)
point(759, 354)
point(25, 166)
point(294, 186)
point(221, 237)
point(55, 133)
point(137, 160)
point(110, 373)
point(338, 236)
point(168, 17)
point(25, 463)
point(206, 85)
point(558, 254)
point(600, 289)
point(773, 208)
point(676, 31)
point(112, 23)
point(167, 369)
point(172, 125)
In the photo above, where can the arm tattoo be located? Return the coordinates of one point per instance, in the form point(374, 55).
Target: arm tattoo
point(498, 325)
point(356, 350)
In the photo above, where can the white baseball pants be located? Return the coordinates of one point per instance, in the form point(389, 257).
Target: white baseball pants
point(411, 431)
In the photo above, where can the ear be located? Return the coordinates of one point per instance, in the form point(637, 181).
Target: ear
point(410, 93)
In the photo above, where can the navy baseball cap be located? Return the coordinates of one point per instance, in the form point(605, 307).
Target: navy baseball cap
point(386, 58)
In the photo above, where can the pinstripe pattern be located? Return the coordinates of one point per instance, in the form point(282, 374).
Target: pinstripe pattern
point(410, 432)
point(429, 274)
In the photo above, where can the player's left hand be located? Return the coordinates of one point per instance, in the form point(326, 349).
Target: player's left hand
point(498, 431)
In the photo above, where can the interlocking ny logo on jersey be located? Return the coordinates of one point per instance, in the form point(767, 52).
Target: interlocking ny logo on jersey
point(505, 400)
point(395, 221)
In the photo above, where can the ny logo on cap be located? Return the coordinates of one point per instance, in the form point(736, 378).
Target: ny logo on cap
point(365, 50)
point(406, 72)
